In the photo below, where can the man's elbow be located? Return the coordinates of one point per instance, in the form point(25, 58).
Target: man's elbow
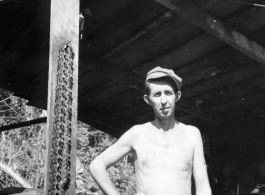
point(95, 166)
point(91, 167)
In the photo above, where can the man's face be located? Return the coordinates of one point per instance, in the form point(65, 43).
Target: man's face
point(162, 98)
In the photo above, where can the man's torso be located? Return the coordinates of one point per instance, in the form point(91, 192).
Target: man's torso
point(164, 161)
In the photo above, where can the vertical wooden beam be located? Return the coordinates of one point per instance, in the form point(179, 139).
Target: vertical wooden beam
point(62, 98)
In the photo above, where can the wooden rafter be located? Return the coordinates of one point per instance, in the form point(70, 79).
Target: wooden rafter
point(224, 80)
point(214, 26)
point(194, 47)
point(238, 90)
point(154, 25)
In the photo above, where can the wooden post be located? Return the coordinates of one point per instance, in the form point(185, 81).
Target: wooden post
point(62, 98)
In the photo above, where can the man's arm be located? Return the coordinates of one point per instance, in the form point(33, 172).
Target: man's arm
point(107, 158)
point(199, 166)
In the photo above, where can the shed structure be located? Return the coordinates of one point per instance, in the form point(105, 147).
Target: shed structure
point(216, 46)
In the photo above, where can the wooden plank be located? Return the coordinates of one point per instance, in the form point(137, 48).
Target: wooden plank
point(231, 92)
point(98, 14)
point(203, 70)
point(152, 26)
point(192, 55)
point(187, 53)
point(109, 70)
point(23, 124)
point(195, 49)
point(155, 43)
point(252, 22)
point(212, 66)
point(240, 74)
point(60, 172)
point(202, 67)
point(129, 23)
point(128, 99)
point(214, 26)
point(223, 61)
point(201, 112)
point(102, 94)
point(231, 105)
point(168, 15)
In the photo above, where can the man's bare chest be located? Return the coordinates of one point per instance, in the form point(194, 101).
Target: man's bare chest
point(172, 154)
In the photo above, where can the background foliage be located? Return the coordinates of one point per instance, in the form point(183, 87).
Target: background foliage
point(23, 150)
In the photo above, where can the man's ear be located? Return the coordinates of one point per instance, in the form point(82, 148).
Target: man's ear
point(178, 95)
point(146, 99)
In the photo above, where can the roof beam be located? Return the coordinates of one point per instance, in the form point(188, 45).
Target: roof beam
point(217, 82)
point(23, 124)
point(109, 70)
point(228, 93)
point(154, 25)
point(214, 26)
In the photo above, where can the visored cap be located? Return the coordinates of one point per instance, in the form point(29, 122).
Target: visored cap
point(159, 72)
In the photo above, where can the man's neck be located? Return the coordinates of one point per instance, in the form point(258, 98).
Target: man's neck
point(164, 124)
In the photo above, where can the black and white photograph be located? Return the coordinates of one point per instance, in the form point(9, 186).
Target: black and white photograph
point(132, 97)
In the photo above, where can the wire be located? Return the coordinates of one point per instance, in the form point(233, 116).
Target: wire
point(260, 5)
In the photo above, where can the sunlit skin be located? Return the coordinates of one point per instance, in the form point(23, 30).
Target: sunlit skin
point(167, 152)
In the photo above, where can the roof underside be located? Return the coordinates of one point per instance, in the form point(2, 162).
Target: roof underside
point(223, 86)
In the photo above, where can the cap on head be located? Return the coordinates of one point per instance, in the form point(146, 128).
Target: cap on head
point(159, 72)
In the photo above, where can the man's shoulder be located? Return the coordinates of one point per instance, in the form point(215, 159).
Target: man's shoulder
point(134, 132)
point(190, 130)
point(193, 134)
point(139, 129)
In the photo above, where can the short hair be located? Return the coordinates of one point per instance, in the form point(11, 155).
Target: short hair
point(167, 79)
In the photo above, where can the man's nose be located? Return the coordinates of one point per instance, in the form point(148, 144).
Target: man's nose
point(163, 99)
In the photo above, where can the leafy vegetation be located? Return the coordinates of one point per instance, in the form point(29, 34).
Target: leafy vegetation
point(22, 151)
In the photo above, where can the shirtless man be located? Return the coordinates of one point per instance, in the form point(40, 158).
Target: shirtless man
point(168, 152)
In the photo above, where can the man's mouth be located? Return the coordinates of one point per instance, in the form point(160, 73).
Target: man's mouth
point(164, 108)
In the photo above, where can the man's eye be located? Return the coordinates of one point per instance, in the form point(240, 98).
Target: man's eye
point(169, 93)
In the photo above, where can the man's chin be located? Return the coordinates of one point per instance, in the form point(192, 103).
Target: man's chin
point(164, 115)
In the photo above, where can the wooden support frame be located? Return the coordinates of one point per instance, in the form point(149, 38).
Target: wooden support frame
point(60, 164)
point(214, 26)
